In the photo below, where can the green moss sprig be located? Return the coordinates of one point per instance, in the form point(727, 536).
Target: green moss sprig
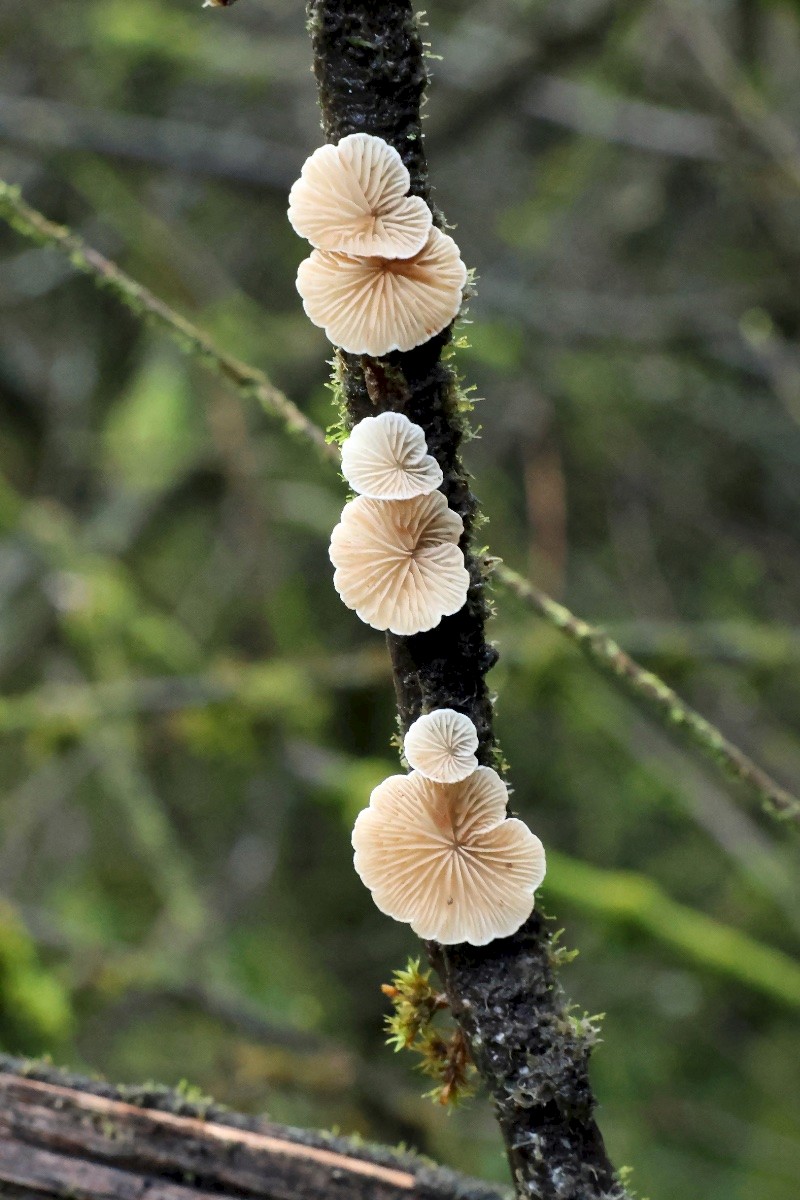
point(444, 1053)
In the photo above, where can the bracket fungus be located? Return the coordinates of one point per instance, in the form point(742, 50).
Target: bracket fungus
point(352, 197)
point(386, 457)
point(441, 745)
point(374, 305)
point(447, 859)
point(398, 563)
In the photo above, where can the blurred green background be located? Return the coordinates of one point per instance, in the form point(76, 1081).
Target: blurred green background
point(190, 717)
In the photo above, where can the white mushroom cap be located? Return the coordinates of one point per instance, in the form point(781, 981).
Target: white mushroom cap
point(386, 457)
point(445, 858)
point(352, 197)
point(441, 745)
point(376, 305)
point(398, 563)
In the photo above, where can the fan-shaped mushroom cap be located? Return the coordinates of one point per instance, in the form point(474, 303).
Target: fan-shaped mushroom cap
point(441, 745)
point(386, 457)
point(445, 858)
point(352, 197)
point(376, 305)
point(398, 563)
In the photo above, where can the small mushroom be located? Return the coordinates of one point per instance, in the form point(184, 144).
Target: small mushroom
point(376, 305)
point(352, 197)
point(398, 563)
point(446, 859)
point(386, 457)
point(441, 745)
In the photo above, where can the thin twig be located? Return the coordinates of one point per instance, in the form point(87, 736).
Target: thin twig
point(648, 689)
point(643, 686)
point(145, 305)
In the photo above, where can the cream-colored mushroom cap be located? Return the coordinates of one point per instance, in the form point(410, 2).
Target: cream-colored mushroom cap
point(352, 197)
point(441, 745)
point(376, 305)
point(446, 859)
point(386, 457)
point(398, 563)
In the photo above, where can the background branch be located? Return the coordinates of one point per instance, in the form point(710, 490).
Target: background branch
point(648, 690)
point(63, 1135)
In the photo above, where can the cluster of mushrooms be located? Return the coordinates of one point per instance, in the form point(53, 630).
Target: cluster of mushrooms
point(435, 847)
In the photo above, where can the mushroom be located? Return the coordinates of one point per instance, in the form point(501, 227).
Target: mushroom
point(376, 305)
point(398, 563)
point(441, 745)
point(446, 859)
point(386, 458)
point(352, 197)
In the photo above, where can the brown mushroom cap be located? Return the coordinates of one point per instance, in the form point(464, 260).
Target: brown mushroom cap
point(446, 859)
point(398, 563)
point(352, 198)
point(376, 305)
point(386, 457)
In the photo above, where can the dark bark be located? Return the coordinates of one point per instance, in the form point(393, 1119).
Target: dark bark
point(71, 1137)
point(370, 72)
point(371, 76)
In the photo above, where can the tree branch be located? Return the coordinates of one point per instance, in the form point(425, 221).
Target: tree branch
point(65, 1136)
point(648, 690)
point(370, 72)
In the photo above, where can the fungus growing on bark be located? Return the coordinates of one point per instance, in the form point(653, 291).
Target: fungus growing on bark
point(446, 859)
point(375, 305)
point(441, 745)
point(398, 563)
point(352, 197)
point(386, 458)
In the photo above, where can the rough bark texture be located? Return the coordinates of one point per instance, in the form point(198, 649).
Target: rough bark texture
point(61, 1135)
point(371, 76)
point(370, 72)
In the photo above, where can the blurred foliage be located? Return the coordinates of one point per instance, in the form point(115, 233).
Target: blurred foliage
point(34, 1007)
point(190, 717)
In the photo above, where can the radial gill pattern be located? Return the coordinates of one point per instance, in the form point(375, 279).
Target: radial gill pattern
point(446, 859)
point(398, 562)
point(352, 197)
point(386, 458)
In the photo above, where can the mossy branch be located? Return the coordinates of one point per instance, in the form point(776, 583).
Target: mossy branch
point(146, 306)
point(64, 1136)
point(654, 695)
point(370, 72)
point(641, 685)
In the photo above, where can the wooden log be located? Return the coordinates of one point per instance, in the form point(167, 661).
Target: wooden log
point(62, 1136)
